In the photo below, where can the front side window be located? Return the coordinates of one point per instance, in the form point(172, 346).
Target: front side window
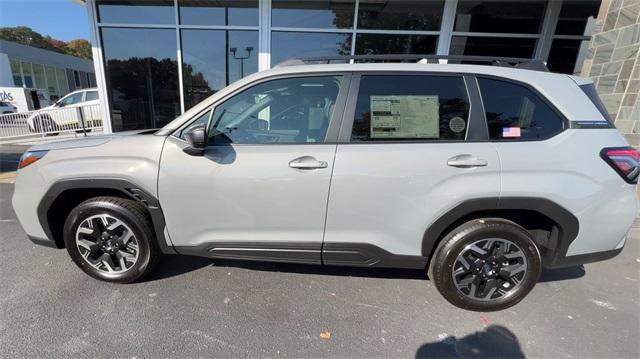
point(403, 107)
point(294, 110)
point(514, 112)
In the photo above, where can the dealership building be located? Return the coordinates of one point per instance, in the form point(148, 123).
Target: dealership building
point(155, 59)
point(53, 73)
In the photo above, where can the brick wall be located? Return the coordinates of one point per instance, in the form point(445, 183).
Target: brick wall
point(613, 62)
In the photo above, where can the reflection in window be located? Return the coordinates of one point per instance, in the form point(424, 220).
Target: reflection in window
point(515, 112)
point(313, 14)
point(27, 75)
point(400, 14)
point(54, 93)
point(574, 16)
point(63, 82)
point(215, 12)
point(206, 70)
point(287, 45)
point(411, 108)
point(564, 55)
point(16, 72)
point(38, 75)
point(294, 110)
point(370, 44)
point(136, 11)
point(521, 17)
point(142, 77)
point(492, 46)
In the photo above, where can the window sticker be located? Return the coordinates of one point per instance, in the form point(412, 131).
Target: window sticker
point(457, 124)
point(405, 117)
point(511, 132)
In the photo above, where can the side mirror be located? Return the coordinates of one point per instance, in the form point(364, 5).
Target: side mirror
point(197, 138)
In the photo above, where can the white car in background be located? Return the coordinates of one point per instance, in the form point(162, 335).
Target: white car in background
point(68, 113)
point(6, 108)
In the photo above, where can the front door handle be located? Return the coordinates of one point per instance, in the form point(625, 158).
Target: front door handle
point(466, 161)
point(307, 163)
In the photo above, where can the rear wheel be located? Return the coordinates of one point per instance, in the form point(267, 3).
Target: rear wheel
point(486, 264)
point(111, 239)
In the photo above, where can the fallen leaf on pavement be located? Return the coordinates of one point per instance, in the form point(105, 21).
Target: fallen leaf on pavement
point(325, 335)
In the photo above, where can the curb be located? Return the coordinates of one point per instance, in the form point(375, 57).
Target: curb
point(7, 177)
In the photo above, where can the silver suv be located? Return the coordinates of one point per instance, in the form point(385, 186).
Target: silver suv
point(482, 175)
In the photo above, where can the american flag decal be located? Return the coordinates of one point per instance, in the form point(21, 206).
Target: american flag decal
point(510, 132)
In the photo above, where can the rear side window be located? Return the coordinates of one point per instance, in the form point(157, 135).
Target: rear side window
point(591, 92)
point(402, 107)
point(515, 112)
point(91, 95)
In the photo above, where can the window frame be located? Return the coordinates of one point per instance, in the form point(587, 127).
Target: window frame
point(566, 124)
point(477, 130)
point(334, 122)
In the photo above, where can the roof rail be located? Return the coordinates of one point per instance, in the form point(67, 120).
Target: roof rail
point(522, 63)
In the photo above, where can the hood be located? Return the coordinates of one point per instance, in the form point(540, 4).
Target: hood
point(90, 141)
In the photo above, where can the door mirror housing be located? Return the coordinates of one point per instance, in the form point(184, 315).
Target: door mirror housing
point(197, 138)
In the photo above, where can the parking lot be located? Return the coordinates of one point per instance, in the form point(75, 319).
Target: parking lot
point(200, 307)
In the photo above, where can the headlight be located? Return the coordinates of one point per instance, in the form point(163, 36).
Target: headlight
point(30, 157)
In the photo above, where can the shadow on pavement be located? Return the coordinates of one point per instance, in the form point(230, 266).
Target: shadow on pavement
point(555, 275)
point(175, 265)
point(494, 342)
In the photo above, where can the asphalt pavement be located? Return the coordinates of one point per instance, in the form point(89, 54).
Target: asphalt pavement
point(194, 307)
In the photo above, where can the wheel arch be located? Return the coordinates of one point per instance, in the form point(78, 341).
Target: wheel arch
point(64, 195)
point(552, 226)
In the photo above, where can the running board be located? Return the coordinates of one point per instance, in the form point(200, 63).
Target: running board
point(333, 254)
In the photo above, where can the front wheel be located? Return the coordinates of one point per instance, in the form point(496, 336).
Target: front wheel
point(486, 264)
point(111, 239)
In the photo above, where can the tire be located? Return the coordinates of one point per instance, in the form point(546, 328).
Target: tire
point(101, 225)
point(489, 281)
point(45, 124)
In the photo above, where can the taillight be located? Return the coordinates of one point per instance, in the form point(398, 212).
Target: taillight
point(30, 157)
point(623, 160)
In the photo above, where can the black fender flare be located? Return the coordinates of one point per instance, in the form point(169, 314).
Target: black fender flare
point(126, 187)
point(568, 224)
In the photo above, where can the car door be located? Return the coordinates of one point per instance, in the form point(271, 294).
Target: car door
point(65, 114)
point(413, 146)
point(260, 190)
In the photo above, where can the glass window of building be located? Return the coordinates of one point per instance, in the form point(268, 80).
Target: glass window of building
point(564, 55)
point(76, 79)
point(205, 68)
point(492, 46)
point(63, 83)
point(324, 14)
point(216, 12)
point(142, 77)
point(400, 14)
point(16, 71)
point(370, 44)
point(520, 17)
point(52, 83)
point(27, 75)
point(574, 16)
point(287, 45)
point(136, 11)
point(38, 76)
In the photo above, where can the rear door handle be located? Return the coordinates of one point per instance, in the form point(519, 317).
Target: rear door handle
point(466, 161)
point(307, 163)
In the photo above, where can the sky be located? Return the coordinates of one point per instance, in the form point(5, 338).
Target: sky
point(61, 19)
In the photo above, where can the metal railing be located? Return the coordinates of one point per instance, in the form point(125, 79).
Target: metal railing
point(51, 122)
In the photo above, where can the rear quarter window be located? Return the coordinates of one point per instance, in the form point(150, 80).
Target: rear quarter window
point(514, 112)
point(592, 94)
